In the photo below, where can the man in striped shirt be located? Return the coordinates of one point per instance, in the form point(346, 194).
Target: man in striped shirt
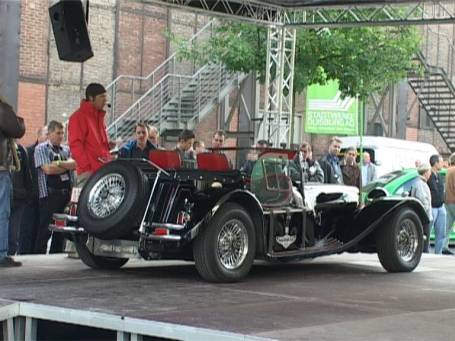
point(55, 179)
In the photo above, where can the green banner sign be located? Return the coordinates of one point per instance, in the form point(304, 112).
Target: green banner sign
point(328, 113)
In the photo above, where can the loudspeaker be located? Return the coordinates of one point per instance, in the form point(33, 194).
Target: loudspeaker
point(70, 31)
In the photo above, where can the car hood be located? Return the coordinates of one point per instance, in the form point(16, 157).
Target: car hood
point(350, 194)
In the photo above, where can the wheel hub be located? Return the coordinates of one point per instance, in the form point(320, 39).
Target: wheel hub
point(107, 195)
point(407, 240)
point(232, 245)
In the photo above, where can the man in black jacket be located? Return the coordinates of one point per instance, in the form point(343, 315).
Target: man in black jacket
point(304, 166)
point(30, 221)
point(436, 184)
point(11, 127)
point(330, 163)
point(22, 190)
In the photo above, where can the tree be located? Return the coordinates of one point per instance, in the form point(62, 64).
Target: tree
point(362, 59)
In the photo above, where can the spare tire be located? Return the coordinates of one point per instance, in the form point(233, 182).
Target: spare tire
point(113, 200)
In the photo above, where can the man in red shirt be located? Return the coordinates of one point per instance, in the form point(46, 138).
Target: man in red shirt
point(87, 136)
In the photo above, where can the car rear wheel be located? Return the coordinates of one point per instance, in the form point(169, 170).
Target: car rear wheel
point(400, 242)
point(113, 200)
point(224, 251)
point(97, 262)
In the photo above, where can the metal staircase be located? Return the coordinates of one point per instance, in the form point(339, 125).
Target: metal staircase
point(125, 90)
point(170, 98)
point(436, 94)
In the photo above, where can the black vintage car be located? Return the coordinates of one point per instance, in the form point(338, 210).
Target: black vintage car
point(224, 219)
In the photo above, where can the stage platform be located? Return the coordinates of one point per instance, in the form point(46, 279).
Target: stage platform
point(345, 297)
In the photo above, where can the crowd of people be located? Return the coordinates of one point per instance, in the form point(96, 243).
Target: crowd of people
point(36, 182)
point(437, 195)
point(38, 179)
point(330, 169)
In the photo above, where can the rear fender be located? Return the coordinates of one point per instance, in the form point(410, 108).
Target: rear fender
point(250, 203)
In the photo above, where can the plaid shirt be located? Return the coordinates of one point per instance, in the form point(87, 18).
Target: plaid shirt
point(44, 156)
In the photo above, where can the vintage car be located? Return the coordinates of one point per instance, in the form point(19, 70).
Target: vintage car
point(223, 219)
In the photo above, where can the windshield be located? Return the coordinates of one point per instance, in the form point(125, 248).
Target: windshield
point(384, 180)
point(270, 180)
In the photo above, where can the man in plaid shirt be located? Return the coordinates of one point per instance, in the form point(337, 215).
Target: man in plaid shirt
point(55, 179)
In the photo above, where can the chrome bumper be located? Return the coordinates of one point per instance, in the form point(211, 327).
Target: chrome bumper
point(55, 228)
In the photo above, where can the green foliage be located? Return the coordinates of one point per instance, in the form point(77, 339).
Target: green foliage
point(363, 59)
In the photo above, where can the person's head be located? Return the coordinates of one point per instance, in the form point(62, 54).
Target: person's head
point(55, 132)
point(305, 150)
point(199, 147)
point(141, 133)
point(41, 134)
point(366, 158)
point(424, 171)
point(436, 162)
point(262, 144)
point(96, 94)
point(418, 163)
point(154, 135)
point(350, 155)
point(452, 159)
point(334, 146)
point(218, 139)
point(186, 140)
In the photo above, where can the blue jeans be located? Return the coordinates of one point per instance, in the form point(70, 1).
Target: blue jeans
point(439, 226)
point(6, 188)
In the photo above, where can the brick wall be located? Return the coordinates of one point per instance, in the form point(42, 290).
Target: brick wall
point(67, 80)
point(34, 36)
point(127, 38)
point(33, 66)
point(31, 106)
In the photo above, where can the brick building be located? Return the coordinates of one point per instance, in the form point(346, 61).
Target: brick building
point(127, 38)
point(130, 39)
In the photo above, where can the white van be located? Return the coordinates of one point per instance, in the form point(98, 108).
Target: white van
point(391, 154)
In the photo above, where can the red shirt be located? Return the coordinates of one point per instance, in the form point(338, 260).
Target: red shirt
point(87, 137)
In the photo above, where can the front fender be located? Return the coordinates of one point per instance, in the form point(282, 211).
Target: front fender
point(248, 201)
point(383, 207)
point(374, 215)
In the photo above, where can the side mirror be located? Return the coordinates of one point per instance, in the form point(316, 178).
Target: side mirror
point(405, 194)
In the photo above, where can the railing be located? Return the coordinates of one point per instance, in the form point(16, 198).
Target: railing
point(126, 90)
point(439, 50)
point(431, 69)
point(176, 98)
point(208, 85)
point(149, 106)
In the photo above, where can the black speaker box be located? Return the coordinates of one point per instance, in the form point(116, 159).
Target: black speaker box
point(70, 31)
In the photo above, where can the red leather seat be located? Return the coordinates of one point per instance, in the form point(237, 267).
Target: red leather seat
point(216, 162)
point(166, 159)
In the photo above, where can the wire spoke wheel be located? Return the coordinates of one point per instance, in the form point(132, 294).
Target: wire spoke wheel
point(407, 240)
point(232, 245)
point(107, 195)
point(399, 242)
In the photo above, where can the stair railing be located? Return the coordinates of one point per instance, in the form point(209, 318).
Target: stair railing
point(152, 101)
point(125, 90)
point(439, 49)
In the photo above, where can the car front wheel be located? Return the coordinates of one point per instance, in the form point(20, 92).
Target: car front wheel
point(225, 249)
point(400, 242)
